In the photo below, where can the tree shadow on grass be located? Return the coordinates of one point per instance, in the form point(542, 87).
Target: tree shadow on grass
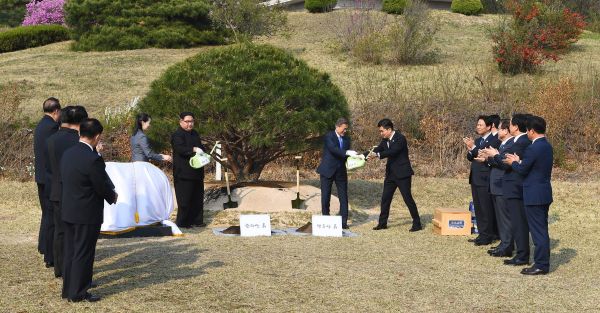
point(125, 267)
point(560, 257)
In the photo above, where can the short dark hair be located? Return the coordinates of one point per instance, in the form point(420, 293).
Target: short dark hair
point(90, 128)
point(519, 120)
point(141, 117)
point(73, 114)
point(182, 115)
point(64, 117)
point(386, 123)
point(50, 105)
point(537, 124)
point(495, 120)
point(504, 123)
point(341, 121)
point(485, 119)
point(79, 114)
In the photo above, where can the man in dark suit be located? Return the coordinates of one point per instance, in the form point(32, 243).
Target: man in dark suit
point(66, 137)
point(189, 181)
point(479, 178)
point(336, 148)
point(398, 174)
point(512, 190)
point(47, 126)
point(506, 246)
point(536, 167)
point(85, 186)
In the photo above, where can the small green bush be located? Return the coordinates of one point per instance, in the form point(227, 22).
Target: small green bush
point(318, 6)
point(259, 101)
point(25, 37)
point(467, 7)
point(12, 12)
point(394, 6)
point(106, 25)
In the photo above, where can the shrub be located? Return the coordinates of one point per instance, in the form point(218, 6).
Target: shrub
point(16, 137)
point(25, 37)
point(467, 7)
point(45, 12)
point(12, 12)
point(319, 6)
point(369, 47)
point(106, 25)
point(258, 100)
point(351, 26)
point(493, 6)
point(394, 6)
point(248, 18)
point(412, 39)
point(538, 32)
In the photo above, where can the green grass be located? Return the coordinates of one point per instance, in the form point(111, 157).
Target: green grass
point(590, 35)
point(391, 270)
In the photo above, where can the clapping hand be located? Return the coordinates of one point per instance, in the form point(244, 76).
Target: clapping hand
point(469, 142)
point(489, 152)
point(510, 158)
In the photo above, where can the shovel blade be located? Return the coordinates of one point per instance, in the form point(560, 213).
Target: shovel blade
point(298, 203)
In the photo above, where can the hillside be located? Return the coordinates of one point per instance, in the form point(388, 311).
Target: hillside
point(108, 79)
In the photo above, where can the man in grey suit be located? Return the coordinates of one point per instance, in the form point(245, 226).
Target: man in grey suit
point(506, 246)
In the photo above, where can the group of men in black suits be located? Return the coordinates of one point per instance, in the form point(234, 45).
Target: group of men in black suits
point(511, 166)
point(75, 186)
point(398, 171)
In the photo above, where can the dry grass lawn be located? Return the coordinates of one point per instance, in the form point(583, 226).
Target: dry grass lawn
point(391, 270)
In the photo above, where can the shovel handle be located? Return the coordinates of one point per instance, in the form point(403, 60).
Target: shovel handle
point(227, 183)
point(297, 181)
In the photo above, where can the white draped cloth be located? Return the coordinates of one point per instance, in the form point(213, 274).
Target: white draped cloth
point(141, 187)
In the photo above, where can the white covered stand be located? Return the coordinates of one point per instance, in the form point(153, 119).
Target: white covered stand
point(143, 187)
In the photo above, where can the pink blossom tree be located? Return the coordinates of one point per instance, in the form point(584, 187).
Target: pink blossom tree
point(45, 12)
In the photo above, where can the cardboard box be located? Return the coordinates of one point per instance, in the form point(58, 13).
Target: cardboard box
point(448, 221)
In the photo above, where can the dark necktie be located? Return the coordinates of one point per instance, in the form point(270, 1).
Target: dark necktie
point(341, 143)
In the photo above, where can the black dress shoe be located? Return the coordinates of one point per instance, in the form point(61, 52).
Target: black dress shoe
point(415, 228)
point(501, 254)
point(93, 284)
point(49, 264)
point(200, 225)
point(380, 227)
point(516, 262)
point(87, 298)
point(533, 271)
point(345, 227)
point(475, 239)
point(483, 242)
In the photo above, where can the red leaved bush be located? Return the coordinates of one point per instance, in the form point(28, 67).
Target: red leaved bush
point(539, 31)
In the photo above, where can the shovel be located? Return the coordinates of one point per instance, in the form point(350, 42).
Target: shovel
point(229, 204)
point(298, 203)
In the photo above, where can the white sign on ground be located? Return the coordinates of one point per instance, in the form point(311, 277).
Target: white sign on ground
point(327, 226)
point(252, 225)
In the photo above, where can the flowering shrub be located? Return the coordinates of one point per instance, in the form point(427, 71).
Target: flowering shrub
point(44, 12)
point(538, 32)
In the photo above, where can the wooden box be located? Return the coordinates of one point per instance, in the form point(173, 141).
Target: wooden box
point(448, 221)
